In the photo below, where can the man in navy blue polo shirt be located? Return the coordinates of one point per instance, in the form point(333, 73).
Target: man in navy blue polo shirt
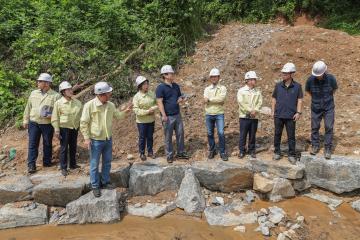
point(168, 97)
point(321, 86)
point(286, 110)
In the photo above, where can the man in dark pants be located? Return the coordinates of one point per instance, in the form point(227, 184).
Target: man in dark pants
point(37, 118)
point(321, 86)
point(286, 110)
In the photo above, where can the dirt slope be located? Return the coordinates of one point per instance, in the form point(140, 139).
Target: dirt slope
point(236, 48)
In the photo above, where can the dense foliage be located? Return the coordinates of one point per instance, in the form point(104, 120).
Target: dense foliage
point(78, 39)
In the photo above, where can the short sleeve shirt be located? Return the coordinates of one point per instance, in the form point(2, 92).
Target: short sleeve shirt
point(286, 99)
point(322, 91)
point(170, 95)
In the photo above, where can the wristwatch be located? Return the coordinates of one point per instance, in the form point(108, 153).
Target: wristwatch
point(299, 113)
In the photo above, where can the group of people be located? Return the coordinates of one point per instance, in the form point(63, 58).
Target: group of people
point(49, 113)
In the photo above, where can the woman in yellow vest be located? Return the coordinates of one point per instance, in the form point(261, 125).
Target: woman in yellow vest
point(66, 121)
point(144, 106)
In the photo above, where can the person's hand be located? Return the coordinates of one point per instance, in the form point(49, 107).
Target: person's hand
point(296, 116)
point(87, 143)
point(25, 125)
point(272, 114)
point(206, 100)
point(57, 135)
point(129, 107)
point(180, 100)
point(151, 110)
point(164, 118)
point(253, 114)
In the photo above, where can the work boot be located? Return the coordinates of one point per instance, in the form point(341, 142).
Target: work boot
point(64, 172)
point(182, 155)
point(224, 156)
point(75, 167)
point(151, 155)
point(170, 159)
point(31, 169)
point(292, 160)
point(142, 157)
point(211, 154)
point(327, 153)
point(96, 192)
point(46, 165)
point(241, 155)
point(314, 150)
point(277, 157)
point(253, 155)
point(108, 186)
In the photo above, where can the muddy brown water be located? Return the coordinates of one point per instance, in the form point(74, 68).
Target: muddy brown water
point(323, 224)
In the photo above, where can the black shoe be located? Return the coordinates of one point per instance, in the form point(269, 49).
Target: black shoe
point(182, 155)
point(277, 157)
point(241, 155)
point(253, 155)
point(47, 165)
point(64, 172)
point(314, 150)
point(108, 186)
point(327, 153)
point(170, 159)
point(292, 160)
point(75, 167)
point(151, 155)
point(31, 169)
point(211, 154)
point(96, 192)
point(224, 156)
point(142, 157)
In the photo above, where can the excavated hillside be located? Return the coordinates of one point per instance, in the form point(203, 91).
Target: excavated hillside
point(235, 49)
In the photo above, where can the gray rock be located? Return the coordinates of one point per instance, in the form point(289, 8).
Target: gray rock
point(44, 176)
point(120, 176)
point(12, 215)
point(151, 210)
point(88, 209)
point(356, 205)
point(331, 202)
point(280, 169)
point(249, 196)
point(151, 178)
point(15, 188)
point(217, 201)
point(60, 191)
point(229, 215)
point(301, 184)
point(339, 174)
point(190, 197)
point(282, 189)
point(262, 184)
point(223, 176)
point(265, 230)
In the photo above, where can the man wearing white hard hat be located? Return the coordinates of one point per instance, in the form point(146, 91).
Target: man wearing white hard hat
point(214, 96)
point(250, 100)
point(66, 121)
point(286, 110)
point(144, 106)
point(96, 127)
point(168, 98)
point(37, 119)
point(321, 86)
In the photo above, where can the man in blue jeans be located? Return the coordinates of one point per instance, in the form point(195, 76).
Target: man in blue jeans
point(168, 98)
point(214, 96)
point(321, 86)
point(96, 127)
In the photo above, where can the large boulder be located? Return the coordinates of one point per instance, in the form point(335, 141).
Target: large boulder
point(282, 189)
point(339, 174)
point(190, 196)
point(223, 176)
point(89, 209)
point(150, 178)
point(150, 210)
point(15, 188)
point(59, 191)
point(262, 184)
point(120, 175)
point(279, 168)
point(23, 214)
point(229, 215)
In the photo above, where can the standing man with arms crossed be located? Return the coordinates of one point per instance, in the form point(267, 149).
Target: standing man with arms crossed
point(37, 118)
point(214, 96)
point(321, 86)
point(286, 110)
point(96, 127)
point(168, 98)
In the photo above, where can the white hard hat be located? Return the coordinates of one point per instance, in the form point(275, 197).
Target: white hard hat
point(250, 75)
point(167, 69)
point(214, 72)
point(64, 85)
point(288, 68)
point(45, 77)
point(139, 80)
point(102, 87)
point(319, 68)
